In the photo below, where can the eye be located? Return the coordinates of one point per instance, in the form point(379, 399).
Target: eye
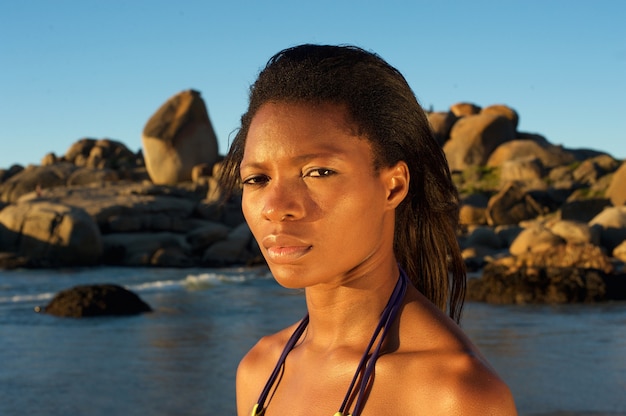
point(319, 173)
point(255, 180)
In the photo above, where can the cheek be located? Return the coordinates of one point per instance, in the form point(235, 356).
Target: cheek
point(247, 208)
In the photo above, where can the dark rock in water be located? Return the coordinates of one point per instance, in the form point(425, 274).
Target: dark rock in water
point(551, 285)
point(9, 260)
point(96, 300)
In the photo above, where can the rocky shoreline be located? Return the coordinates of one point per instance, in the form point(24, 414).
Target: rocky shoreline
point(543, 223)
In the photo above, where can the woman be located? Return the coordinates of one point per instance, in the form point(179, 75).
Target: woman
point(350, 197)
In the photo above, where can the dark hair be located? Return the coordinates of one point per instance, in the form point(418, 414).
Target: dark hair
point(383, 107)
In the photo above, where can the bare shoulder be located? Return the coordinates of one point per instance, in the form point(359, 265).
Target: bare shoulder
point(449, 373)
point(256, 366)
point(473, 388)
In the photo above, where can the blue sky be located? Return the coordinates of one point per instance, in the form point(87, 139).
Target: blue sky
point(73, 69)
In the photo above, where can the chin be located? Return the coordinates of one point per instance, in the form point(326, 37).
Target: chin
point(288, 277)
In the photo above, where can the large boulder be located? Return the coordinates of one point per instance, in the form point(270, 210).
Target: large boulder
point(55, 234)
point(504, 111)
point(96, 300)
point(473, 138)
point(178, 137)
point(616, 191)
point(441, 123)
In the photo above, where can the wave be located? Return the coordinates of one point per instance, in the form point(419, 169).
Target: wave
point(172, 280)
point(26, 298)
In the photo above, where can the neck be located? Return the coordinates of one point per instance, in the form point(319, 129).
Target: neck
point(346, 314)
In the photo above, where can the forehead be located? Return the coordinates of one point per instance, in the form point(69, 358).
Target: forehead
point(290, 129)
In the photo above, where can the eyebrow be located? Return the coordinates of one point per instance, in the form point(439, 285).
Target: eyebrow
point(300, 158)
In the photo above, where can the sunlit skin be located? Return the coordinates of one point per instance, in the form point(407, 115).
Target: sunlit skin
point(324, 219)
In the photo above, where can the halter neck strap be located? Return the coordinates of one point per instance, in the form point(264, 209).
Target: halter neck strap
point(366, 364)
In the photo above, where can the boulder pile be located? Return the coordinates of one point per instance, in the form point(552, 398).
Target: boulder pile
point(540, 222)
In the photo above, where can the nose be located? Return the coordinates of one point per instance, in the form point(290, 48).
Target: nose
point(284, 201)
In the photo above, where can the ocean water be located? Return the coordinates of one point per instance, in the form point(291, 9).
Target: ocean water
point(181, 359)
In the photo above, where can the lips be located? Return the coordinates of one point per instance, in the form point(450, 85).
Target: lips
point(282, 249)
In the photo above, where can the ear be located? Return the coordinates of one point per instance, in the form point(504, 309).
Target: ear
point(396, 179)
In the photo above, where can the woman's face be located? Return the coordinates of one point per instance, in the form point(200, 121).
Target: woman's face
point(311, 197)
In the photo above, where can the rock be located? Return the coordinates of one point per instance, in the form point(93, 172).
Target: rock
point(144, 249)
point(96, 300)
point(56, 234)
point(472, 215)
point(611, 223)
point(529, 171)
point(214, 194)
point(35, 178)
point(49, 159)
point(79, 151)
point(583, 210)
point(534, 239)
point(178, 137)
point(504, 111)
point(464, 109)
point(473, 138)
point(201, 171)
point(616, 191)
point(11, 260)
point(575, 232)
point(584, 256)
point(201, 238)
point(508, 233)
point(619, 252)
point(590, 170)
point(549, 199)
point(549, 155)
point(441, 123)
point(100, 154)
point(560, 177)
point(86, 176)
point(584, 154)
point(130, 207)
point(228, 213)
point(6, 174)
point(483, 237)
point(511, 205)
point(473, 209)
point(477, 257)
point(552, 285)
point(234, 250)
point(171, 257)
